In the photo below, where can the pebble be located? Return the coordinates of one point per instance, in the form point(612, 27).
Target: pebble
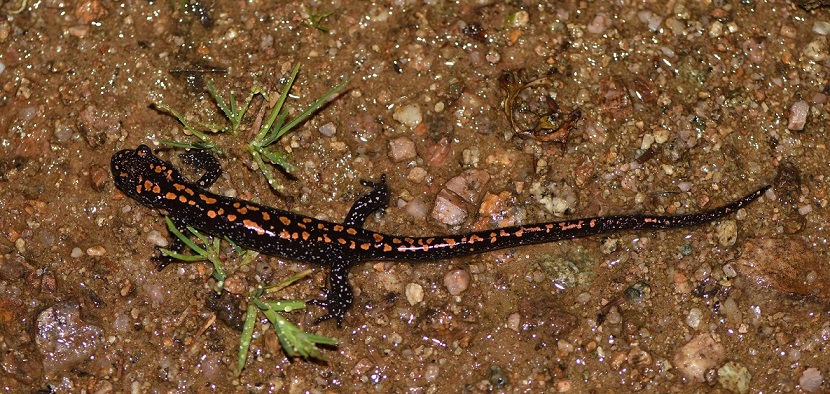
point(694, 317)
point(469, 185)
point(63, 132)
point(438, 154)
point(798, 115)
point(414, 293)
point(5, 31)
point(734, 377)
point(79, 31)
point(730, 310)
point(498, 379)
point(821, 27)
point(90, 11)
point(755, 50)
point(156, 238)
point(234, 284)
point(416, 175)
point(729, 271)
point(401, 148)
point(650, 18)
point(328, 129)
point(456, 281)
point(648, 140)
point(417, 208)
point(810, 380)
point(599, 24)
point(727, 231)
point(816, 50)
point(96, 251)
point(514, 322)
point(449, 208)
point(639, 358)
point(63, 338)
point(519, 19)
point(785, 265)
point(409, 115)
point(661, 135)
point(431, 372)
point(697, 356)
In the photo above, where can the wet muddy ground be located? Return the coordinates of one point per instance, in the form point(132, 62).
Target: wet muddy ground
point(683, 106)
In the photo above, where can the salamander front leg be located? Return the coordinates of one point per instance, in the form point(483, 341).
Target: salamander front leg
point(339, 295)
point(203, 160)
point(378, 198)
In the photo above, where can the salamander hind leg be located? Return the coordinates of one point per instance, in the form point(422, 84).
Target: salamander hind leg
point(378, 198)
point(339, 295)
point(202, 159)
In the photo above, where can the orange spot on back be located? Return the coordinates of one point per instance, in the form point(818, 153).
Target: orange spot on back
point(253, 225)
point(209, 200)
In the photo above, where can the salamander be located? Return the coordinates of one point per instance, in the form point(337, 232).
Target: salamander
point(157, 184)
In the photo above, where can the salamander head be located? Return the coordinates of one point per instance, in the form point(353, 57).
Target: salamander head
point(143, 176)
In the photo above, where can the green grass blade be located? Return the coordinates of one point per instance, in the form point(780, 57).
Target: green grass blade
point(246, 337)
point(190, 244)
point(310, 110)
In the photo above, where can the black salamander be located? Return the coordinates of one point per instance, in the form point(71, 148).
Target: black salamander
point(155, 183)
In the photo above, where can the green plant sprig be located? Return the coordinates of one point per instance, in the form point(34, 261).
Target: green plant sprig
point(275, 127)
point(210, 252)
point(232, 110)
point(294, 341)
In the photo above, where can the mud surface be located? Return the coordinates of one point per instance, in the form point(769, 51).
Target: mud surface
point(684, 105)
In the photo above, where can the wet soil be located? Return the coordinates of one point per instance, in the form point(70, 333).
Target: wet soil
point(685, 106)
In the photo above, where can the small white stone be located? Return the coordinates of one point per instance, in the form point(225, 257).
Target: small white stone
point(821, 27)
point(716, 30)
point(409, 115)
point(648, 140)
point(694, 317)
point(414, 293)
point(456, 281)
point(816, 50)
point(697, 356)
point(514, 322)
point(810, 380)
point(96, 251)
point(157, 239)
